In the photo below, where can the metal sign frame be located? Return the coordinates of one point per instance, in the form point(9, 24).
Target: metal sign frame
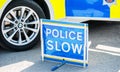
point(53, 23)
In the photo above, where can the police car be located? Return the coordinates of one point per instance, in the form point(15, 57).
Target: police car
point(20, 19)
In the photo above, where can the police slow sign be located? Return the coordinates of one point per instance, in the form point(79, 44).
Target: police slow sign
point(64, 41)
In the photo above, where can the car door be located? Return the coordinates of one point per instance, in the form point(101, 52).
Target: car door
point(88, 8)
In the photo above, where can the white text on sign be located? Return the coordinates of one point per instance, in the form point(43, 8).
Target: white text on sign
point(64, 35)
point(65, 46)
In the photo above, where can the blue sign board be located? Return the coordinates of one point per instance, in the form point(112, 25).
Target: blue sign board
point(64, 41)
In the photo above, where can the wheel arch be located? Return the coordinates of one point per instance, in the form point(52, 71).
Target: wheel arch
point(47, 8)
point(44, 4)
point(6, 3)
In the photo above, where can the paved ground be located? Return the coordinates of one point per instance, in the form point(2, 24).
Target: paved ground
point(104, 54)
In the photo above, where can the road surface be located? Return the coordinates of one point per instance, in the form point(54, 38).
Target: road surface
point(104, 54)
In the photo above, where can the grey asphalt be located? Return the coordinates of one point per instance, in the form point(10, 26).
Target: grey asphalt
point(104, 54)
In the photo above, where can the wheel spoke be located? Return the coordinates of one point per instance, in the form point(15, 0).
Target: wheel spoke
point(10, 37)
point(7, 30)
point(22, 12)
point(26, 36)
point(8, 20)
point(20, 37)
point(33, 22)
point(14, 15)
point(29, 14)
point(31, 29)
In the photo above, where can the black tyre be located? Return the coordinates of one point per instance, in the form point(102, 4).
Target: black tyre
point(20, 25)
